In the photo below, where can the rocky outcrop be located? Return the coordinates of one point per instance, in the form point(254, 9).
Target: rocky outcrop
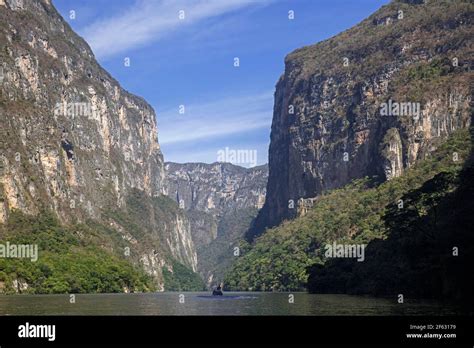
point(72, 140)
point(370, 101)
point(213, 195)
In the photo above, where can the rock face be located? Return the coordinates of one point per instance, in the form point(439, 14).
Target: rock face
point(213, 195)
point(73, 141)
point(370, 101)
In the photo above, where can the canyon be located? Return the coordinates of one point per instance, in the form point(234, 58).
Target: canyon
point(376, 113)
point(220, 201)
point(75, 143)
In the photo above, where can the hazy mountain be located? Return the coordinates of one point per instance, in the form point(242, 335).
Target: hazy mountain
point(220, 200)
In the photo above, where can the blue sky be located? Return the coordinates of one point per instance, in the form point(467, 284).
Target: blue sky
point(190, 61)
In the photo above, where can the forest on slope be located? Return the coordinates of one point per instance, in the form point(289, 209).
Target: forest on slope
point(410, 249)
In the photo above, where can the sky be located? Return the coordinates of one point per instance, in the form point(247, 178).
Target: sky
point(181, 56)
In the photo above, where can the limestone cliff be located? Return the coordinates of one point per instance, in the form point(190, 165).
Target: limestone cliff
point(220, 200)
point(75, 142)
point(370, 101)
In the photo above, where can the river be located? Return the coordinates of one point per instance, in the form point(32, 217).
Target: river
point(200, 303)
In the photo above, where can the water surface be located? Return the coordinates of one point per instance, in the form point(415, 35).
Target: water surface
point(200, 303)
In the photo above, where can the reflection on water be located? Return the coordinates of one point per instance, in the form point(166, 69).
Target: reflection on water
point(199, 303)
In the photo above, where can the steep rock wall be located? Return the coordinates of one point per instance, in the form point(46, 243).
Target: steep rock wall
point(72, 140)
point(370, 101)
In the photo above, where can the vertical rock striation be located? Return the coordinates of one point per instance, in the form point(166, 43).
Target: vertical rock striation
point(74, 141)
point(370, 101)
point(220, 200)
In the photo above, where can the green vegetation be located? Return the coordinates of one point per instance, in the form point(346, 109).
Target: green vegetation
point(429, 251)
point(89, 258)
point(218, 256)
point(368, 43)
point(431, 70)
point(280, 258)
point(70, 259)
point(144, 215)
point(182, 279)
point(144, 219)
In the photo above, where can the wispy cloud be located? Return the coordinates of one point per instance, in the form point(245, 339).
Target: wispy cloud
point(147, 21)
point(215, 119)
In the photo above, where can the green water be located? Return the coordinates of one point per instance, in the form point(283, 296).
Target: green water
point(200, 303)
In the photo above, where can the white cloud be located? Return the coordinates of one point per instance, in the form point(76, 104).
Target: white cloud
point(150, 20)
point(215, 119)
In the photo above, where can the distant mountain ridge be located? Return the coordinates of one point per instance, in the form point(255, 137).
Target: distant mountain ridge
point(213, 195)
